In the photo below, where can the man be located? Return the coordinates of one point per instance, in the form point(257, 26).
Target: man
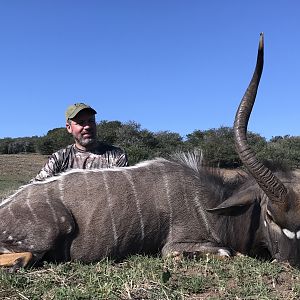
point(86, 152)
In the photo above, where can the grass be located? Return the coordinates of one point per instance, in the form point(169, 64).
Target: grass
point(18, 169)
point(140, 277)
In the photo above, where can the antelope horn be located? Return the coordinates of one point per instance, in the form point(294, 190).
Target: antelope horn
point(269, 183)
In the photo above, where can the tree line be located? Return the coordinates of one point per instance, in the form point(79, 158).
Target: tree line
point(140, 144)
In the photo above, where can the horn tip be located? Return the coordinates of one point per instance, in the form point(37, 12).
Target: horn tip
point(261, 40)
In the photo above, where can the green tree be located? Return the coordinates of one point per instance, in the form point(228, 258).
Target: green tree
point(107, 131)
point(54, 140)
point(139, 143)
point(219, 148)
point(283, 151)
point(167, 143)
point(45, 145)
point(17, 145)
point(4, 145)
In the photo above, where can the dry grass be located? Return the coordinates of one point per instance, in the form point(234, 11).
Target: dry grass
point(18, 169)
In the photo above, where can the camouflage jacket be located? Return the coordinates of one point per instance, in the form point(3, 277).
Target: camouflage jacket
point(103, 156)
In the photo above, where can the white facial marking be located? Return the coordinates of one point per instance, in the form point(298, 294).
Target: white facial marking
point(298, 235)
point(223, 252)
point(269, 212)
point(291, 235)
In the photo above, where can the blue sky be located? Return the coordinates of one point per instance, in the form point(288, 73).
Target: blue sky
point(168, 65)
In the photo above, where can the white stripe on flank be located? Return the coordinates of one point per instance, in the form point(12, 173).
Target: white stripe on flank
point(54, 215)
point(202, 212)
point(12, 197)
point(88, 187)
point(156, 161)
point(188, 207)
point(62, 175)
point(110, 209)
point(138, 206)
point(28, 197)
point(166, 184)
point(86, 194)
point(61, 188)
point(10, 210)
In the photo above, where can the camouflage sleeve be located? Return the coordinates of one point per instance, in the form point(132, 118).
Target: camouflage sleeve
point(122, 160)
point(64, 159)
point(117, 156)
point(52, 167)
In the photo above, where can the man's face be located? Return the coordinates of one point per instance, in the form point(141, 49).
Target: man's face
point(83, 128)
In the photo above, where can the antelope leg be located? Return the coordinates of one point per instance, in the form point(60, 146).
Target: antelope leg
point(20, 259)
point(195, 250)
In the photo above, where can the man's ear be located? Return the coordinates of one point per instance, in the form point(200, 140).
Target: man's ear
point(69, 128)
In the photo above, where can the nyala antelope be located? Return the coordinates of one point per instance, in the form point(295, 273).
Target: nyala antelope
point(166, 206)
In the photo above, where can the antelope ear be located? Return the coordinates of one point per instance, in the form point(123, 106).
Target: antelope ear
point(236, 204)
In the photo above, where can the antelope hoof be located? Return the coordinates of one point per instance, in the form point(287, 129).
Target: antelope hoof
point(15, 261)
point(224, 253)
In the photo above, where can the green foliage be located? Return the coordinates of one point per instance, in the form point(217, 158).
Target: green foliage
point(45, 146)
point(107, 131)
point(17, 145)
point(54, 140)
point(4, 145)
point(138, 143)
point(218, 146)
point(60, 138)
point(168, 142)
point(284, 151)
point(141, 144)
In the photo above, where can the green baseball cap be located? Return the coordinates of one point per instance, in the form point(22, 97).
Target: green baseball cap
point(74, 109)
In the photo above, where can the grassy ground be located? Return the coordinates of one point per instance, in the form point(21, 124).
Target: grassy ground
point(141, 277)
point(18, 169)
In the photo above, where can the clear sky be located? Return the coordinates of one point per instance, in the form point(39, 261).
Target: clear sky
point(166, 64)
